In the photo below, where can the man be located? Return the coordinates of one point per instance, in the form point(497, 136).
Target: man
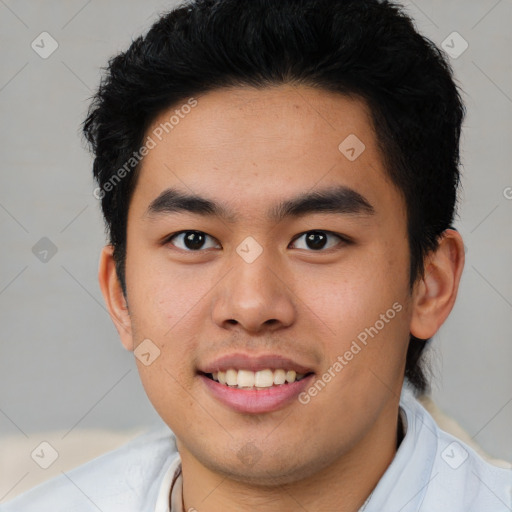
point(279, 182)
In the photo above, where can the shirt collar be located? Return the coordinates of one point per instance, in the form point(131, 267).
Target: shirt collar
point(404, 484)
point(171, 484)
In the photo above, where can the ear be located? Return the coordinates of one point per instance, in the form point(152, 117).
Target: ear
point(114, 298)
point(434, 295)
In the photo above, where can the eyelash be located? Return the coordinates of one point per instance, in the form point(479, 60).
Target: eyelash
point(344, 239)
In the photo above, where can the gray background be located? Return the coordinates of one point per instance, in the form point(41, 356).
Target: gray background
point(61, 363)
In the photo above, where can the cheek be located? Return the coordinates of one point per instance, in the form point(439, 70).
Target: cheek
point(166, 308)
point(163, 295)
point(168, 386)
point(347, 299)
point(170, 377)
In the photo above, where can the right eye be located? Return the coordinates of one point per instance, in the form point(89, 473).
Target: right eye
point(191, 240)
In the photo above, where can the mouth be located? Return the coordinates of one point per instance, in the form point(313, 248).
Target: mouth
point(256, 380)
point(248, 392)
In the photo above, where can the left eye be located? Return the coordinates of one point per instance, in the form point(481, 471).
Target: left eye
point(317, 240)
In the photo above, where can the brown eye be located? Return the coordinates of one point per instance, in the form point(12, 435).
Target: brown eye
point(191, 240)
point(317, 240)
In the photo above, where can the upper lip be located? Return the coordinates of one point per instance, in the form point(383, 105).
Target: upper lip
point(240, 361)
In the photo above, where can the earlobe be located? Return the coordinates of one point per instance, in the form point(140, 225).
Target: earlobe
point(114, 298)
point(434, 295)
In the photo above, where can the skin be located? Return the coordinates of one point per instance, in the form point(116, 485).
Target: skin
point(250, 149)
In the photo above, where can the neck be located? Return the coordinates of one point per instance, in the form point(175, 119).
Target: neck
point(343, 486)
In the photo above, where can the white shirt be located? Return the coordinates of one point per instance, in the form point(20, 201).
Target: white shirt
point(432, 471)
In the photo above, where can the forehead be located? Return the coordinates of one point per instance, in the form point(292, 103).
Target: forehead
point(256, 146)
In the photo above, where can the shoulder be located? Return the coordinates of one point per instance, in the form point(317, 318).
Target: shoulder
point(126, 479)
point(460, 479)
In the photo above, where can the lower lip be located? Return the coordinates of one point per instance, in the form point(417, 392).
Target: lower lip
point(257, 401)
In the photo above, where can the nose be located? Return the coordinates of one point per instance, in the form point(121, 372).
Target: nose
point(254, 296)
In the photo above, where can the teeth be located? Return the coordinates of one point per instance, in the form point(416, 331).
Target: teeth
point(279, 377)
point(290, 376)
point(264, 378)
point(256, 380)
point(245, 379)
point(231, 377)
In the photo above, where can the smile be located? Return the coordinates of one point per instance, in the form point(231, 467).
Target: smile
point(257, 392)
point(262, 379)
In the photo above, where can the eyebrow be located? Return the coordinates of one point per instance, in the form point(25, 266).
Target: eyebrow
point(336, 200)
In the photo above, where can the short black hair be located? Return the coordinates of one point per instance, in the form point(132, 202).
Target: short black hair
point(365, 49)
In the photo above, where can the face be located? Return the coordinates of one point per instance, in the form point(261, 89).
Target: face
point(318, 286)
